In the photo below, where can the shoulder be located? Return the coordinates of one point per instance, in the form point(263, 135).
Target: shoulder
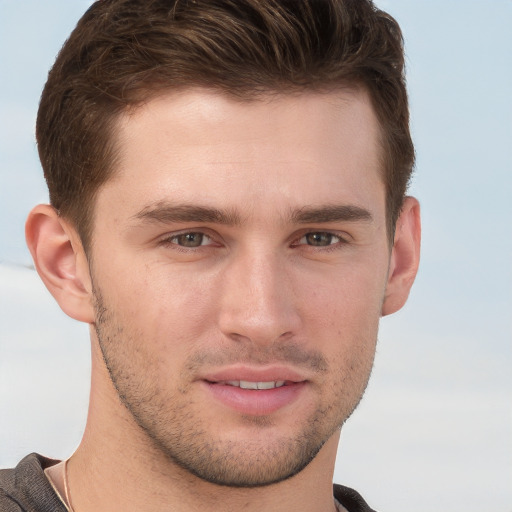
point(351, 499)
point(25, 487)
point(8, 502)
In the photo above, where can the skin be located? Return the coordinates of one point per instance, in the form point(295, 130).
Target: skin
point(237, 238)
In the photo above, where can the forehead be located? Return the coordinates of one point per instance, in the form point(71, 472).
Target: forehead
point(287, 150)
point(201, 116)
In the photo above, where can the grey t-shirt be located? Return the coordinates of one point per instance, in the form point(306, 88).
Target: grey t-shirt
point(25, 488)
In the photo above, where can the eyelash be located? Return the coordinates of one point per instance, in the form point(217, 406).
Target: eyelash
point(328, 234)
point(171, 241)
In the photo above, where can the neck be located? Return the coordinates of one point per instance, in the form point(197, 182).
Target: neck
point(117, 467)
point(121, 476)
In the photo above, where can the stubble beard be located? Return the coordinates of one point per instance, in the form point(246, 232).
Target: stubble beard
point(170, 421)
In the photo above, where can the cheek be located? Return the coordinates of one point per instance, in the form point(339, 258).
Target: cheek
point(167, 308)
point(346, 301)
point(342, 321)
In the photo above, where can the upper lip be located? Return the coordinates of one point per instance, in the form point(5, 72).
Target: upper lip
point(255, 374)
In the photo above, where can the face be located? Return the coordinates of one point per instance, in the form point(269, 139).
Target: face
point(239, 264)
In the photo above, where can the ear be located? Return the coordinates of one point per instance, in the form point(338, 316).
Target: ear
point(405, 257)
point(60, 261)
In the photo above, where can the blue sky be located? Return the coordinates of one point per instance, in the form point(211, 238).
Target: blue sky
point(434, 431)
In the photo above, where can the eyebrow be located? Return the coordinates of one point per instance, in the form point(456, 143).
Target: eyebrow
point(331, 213)
point(166, 213)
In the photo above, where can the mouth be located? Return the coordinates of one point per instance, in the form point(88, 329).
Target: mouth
point(246, 384)
point(257, 394)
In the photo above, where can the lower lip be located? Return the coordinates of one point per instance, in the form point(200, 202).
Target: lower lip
point(256, 402)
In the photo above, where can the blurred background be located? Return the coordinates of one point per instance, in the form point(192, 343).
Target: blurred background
point(434, 431)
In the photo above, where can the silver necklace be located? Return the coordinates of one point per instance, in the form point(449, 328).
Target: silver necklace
point(66, 488)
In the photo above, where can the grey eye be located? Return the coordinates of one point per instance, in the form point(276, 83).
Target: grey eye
point(320, 239)
point(190, 239)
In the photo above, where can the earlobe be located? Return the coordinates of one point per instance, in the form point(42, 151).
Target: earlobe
point(405, 257)
point(60, 261)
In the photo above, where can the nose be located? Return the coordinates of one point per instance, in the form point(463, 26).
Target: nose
point(257, 301)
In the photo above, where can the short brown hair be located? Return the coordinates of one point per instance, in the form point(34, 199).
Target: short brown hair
point(123, 52)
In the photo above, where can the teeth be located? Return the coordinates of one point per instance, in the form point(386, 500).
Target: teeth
point(245, 384)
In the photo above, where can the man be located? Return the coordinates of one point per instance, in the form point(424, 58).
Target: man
point(228, 214)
